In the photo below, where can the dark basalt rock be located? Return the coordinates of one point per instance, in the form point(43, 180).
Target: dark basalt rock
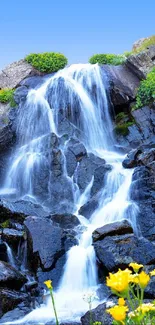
point(118, 251)
point(12, 236)
point(9, 277)
point(15, 314)
point(10, 299)
point(131, 160)
point(65, 221)
point(99, 314)
point(112, 229)
point(20, 94)
point(47, 245)
point(18, 210)
point(88, 208)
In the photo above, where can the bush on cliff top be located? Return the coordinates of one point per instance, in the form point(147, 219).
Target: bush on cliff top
point(7, 96)
point(111, 59)
point(146, 90)
point(47, 62)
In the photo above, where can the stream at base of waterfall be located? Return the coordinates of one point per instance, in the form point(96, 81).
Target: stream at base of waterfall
point(39, 117)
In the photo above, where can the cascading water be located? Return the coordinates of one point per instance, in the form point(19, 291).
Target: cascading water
point(80, 94)
point(11, 259)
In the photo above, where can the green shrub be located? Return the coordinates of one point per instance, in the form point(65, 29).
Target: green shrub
point(5, 224)
point(121, 116)
point(146, 90)
point(47, 62)
point(148, 42)
point(123, 128)
point(7, 96)
point(111, 59)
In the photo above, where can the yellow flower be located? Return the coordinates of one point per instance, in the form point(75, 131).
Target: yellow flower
point(152, 273)
point(118, 313)
point(136, 266)
point(134, 278)
point(121, 301)
point(119, 281)
point(143, 279)
point(145, 308)
point(48, 284)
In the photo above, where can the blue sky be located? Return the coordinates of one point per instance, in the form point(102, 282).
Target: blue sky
point(77, 28)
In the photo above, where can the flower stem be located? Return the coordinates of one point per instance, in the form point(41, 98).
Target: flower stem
point(53, 303)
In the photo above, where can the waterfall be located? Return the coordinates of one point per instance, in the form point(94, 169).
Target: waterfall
point(80, 94)
point(10, 256)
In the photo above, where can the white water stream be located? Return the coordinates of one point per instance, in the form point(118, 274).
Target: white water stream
point(84, 88)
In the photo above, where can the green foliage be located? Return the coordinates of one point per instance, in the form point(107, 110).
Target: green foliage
point(123, 128)
point(127, 53)
point(121, 116)
point(146, 90)
point(148, 42)
point(111, 59)
point(5, 224)
point(7, 96)
point(47, 62)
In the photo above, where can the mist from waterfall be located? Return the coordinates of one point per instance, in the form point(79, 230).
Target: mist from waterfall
point(81, 93)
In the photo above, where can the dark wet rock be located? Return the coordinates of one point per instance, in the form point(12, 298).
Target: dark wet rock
point(10, 299)
point(118, 251)
point(87, 168)
point(47, 245)
point(13, 74)
point(10, 277)
point(7, 135)
point(33, 82)
point(71, 162)
point(3, 252)
point(112, 229)
point(99, 178)
point(143, 131)
point(142, 63)
point(99, 314)
point(131, 159)
point(18, 210)
point(46, 239)
point(15, 314)
point(77, 148)
point(12, 236)
point(88, 208)
point(123, 85)
point(20, 94)
point(147, 157)
point(65, 221)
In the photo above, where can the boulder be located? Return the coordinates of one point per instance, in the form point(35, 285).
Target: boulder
point(15, 314)
point(10, 299)
point(89, 207)
point(47, 245)
point(130, 160)
point(118, 251)
point(99, 314)
point(143, 131)
point(10, 277)
point(112, 229)
point(7, 135)
point(18, 210)
point(142, 63)
point(12, 236)
point(13, 74)
point(87, 168)
point(123, 85)
point(65, 221)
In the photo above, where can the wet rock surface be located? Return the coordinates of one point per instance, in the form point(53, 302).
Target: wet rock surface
point(98, 315)
point(10, 277)
point(112, 229)
point(118, 251)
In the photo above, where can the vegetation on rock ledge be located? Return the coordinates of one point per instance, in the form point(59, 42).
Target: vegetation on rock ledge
point(111, 59)
point(146, 90)
point(47, 62)
point(7, 96)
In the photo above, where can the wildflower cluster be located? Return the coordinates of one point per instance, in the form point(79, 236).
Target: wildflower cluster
point(129, 286)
